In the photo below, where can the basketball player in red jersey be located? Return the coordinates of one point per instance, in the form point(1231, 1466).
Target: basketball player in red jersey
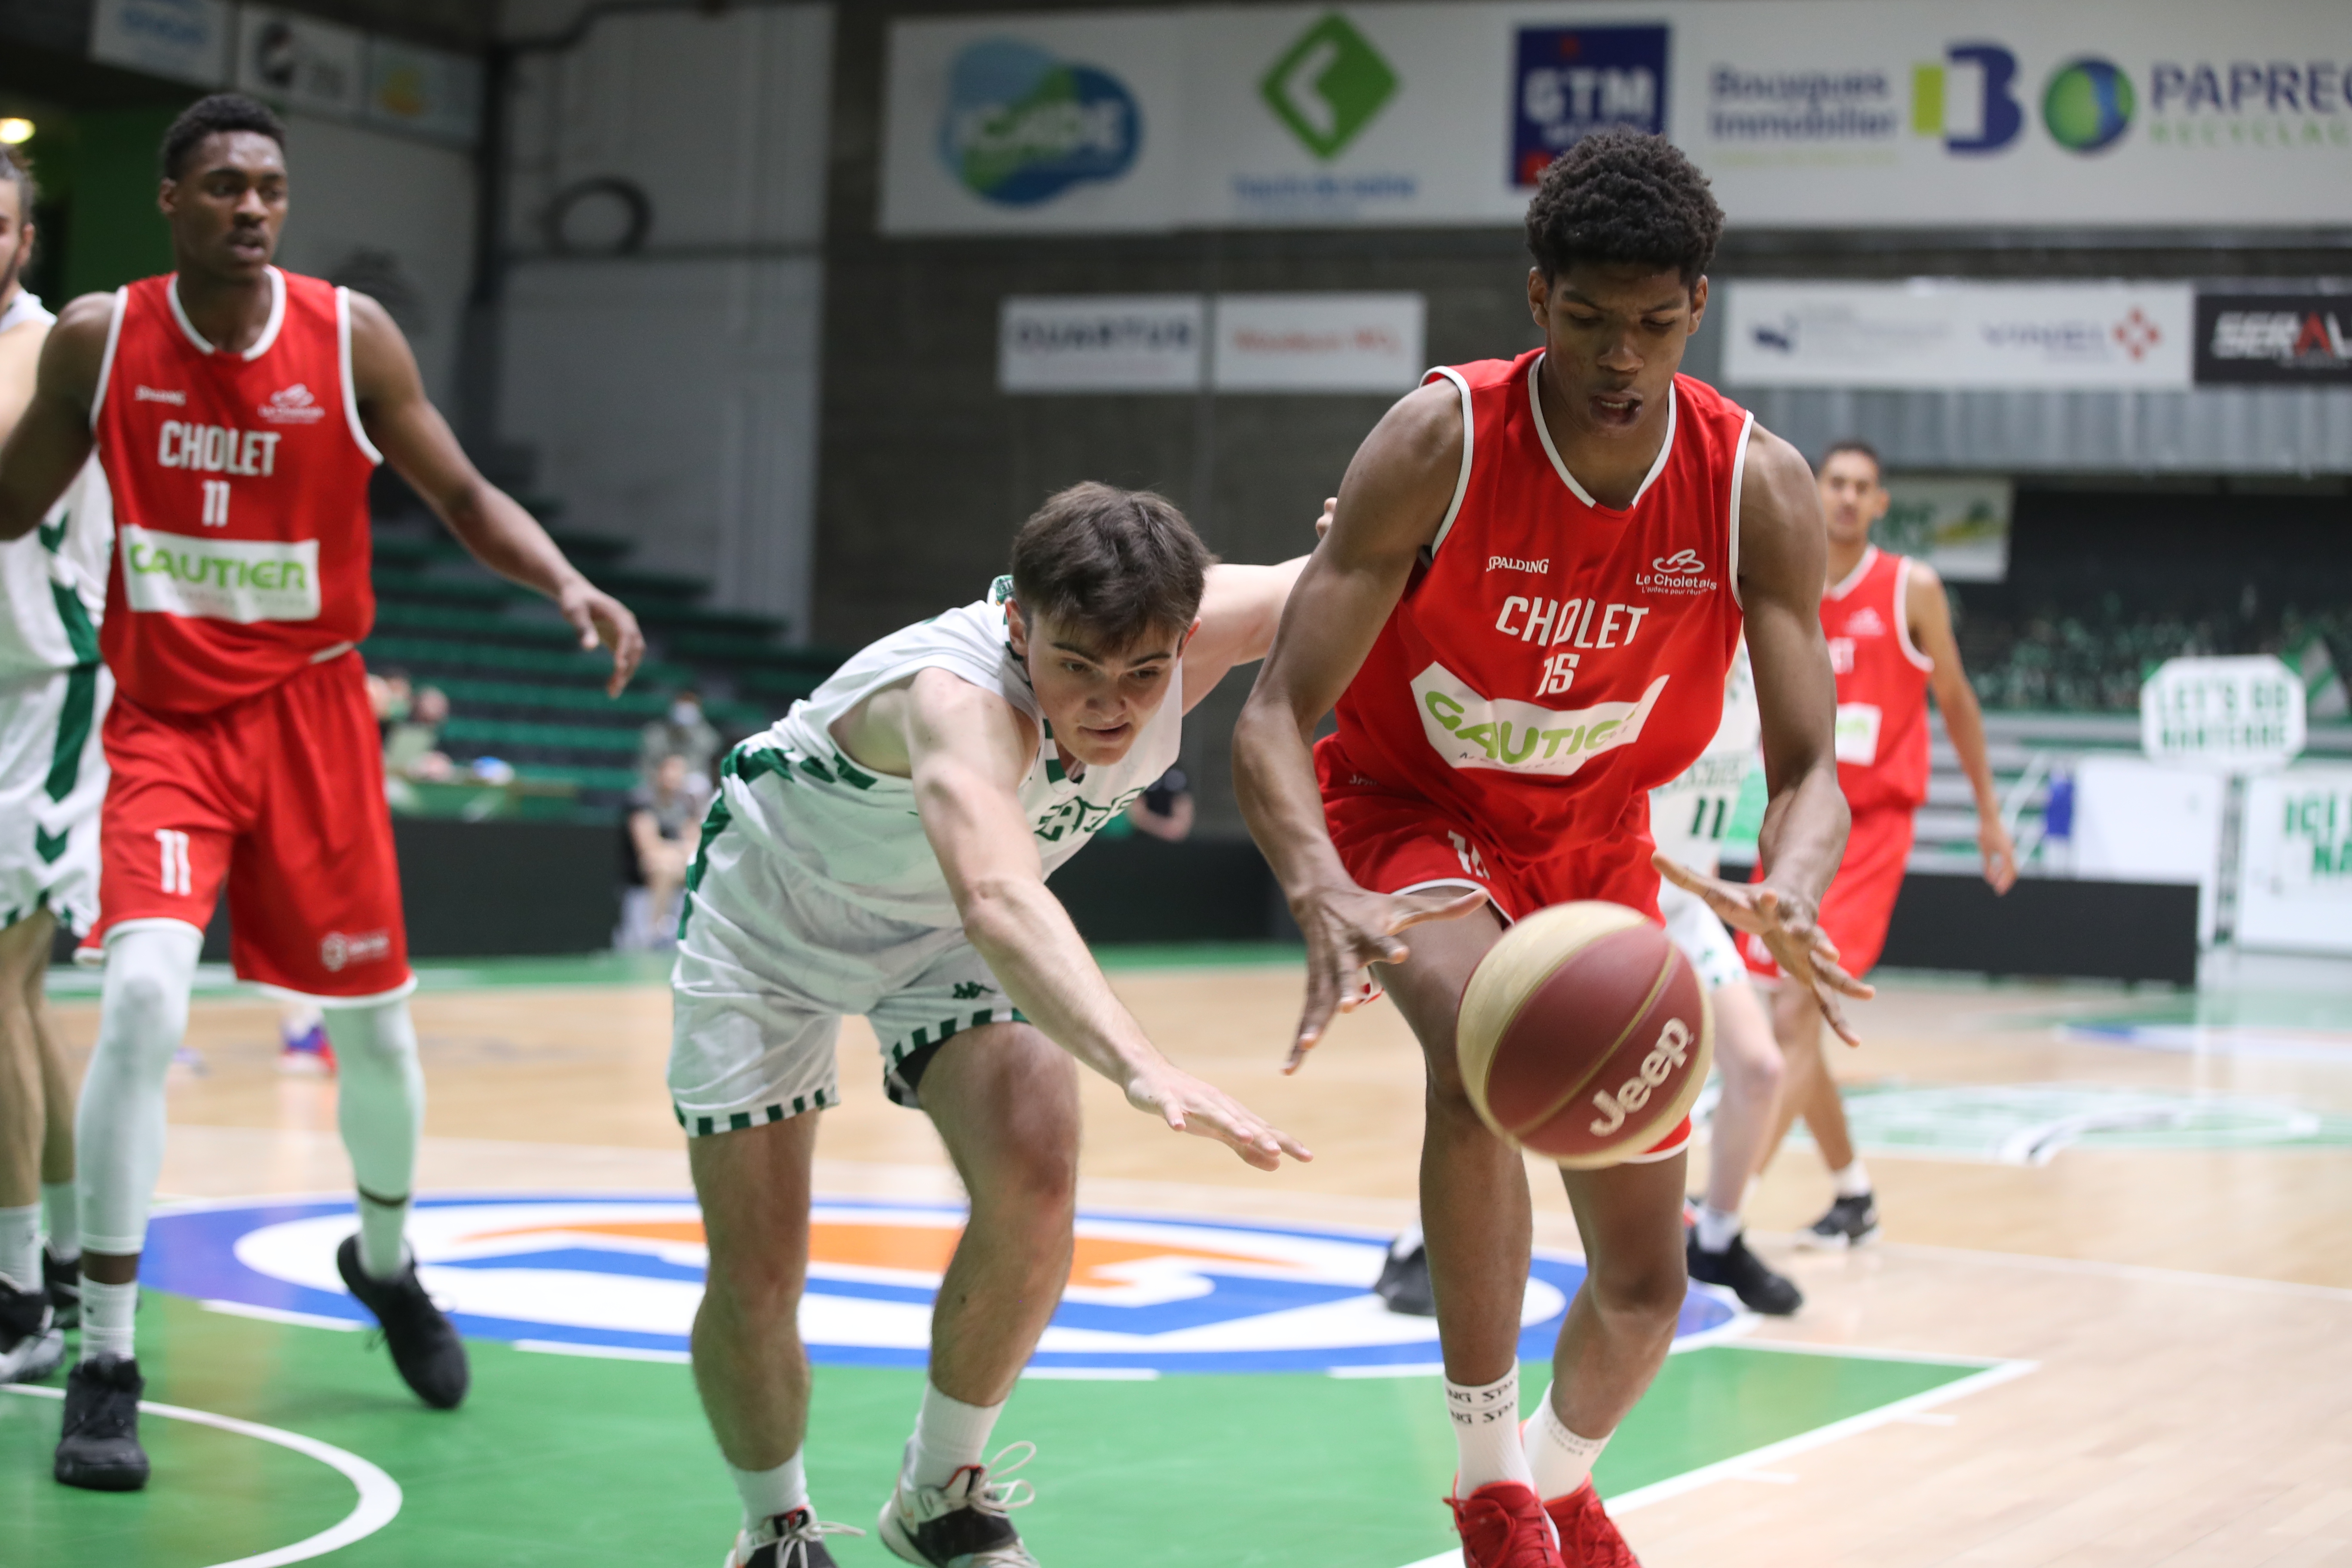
point(1523, 613)
point(1890, 640)
point(238, 412)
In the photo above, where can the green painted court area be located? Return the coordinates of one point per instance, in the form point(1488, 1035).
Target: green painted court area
point(565, 1460)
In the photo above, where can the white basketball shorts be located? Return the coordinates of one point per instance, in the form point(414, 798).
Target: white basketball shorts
point(52, 782)
point(1699, 932)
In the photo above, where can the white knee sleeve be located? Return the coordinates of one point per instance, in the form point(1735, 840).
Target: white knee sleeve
point(144, 1013)
point(380, 1100)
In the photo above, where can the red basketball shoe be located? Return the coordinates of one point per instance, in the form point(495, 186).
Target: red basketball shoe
point(1503, 1526)
point(1588, 1536)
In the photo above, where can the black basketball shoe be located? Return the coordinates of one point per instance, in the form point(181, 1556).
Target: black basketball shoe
point(962, 1523)
point(794, 1539)
point(1850, 1222)
point(1404, 1282)
point(99, 1448)
point(1745, 1274)
point(424, 1342)
point(61, 1277)
point(31, 1345)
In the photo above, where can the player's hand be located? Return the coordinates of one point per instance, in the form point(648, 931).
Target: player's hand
point(1189, 1104)
point(1999, 852)
point(1323, 523)
point(603, 621)
point(1784, 922)
point(1348, 928)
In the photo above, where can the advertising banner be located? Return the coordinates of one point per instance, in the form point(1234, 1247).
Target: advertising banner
point(1804, 112)
point(423, 90)
point(300, 63)
point(1934, 333)
point(2294, 870)
point(2229, 715)
point(1318, 342)
point(1958, 525)
point(1101, 343)
point(2274, 340)
point(186, 40)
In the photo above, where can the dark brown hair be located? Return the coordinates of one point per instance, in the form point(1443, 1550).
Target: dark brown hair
point(1861, 447)
point(1112, 565)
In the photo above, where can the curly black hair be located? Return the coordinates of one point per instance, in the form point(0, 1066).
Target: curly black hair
point(1621, 195)
point(211, 116)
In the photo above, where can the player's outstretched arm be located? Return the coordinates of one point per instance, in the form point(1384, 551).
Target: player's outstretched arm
point(968, 752)
point(1240, 609)
point(1389, 505)
point(414, 438)
point(51, 440)
point(1930, 615)
point(1783, 563)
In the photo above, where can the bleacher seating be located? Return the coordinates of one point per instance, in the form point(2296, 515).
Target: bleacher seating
point(522, 691)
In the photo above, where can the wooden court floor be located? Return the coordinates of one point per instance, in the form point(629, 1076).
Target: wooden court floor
point(2172, 1279)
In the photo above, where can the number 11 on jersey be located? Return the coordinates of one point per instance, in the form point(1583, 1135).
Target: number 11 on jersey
point(216, 503)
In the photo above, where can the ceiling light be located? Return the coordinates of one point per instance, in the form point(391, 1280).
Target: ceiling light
point(14, 130)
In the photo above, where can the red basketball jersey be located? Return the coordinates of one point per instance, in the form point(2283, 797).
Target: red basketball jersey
point(240, 496)
point(1553, 660)
point(1882, 685)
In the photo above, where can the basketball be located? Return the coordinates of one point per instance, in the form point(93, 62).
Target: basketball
point(1585, 1034)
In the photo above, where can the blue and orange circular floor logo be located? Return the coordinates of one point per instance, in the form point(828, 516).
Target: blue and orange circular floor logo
point(1147, 1294)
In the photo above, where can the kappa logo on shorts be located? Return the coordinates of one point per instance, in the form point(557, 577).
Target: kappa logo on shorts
point(337, 951)
point(1146, 1293)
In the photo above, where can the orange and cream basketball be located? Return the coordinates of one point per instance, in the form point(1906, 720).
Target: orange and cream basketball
point(1585, 1034)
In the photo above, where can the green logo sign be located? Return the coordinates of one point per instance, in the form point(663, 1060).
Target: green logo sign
point(1327, 86)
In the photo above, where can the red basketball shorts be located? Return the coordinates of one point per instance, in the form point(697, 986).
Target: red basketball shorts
point(1401, 843)
point(282, 795)
point(1861, 899)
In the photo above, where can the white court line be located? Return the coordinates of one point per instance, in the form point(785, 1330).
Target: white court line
point(279, 1315)
point(379, 1493)
point(602, 1352)
point(1744, 1467)
point(1092, 1373)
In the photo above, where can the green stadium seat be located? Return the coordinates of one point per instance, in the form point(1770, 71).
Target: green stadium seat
point(479, 624)
point(393, 583)
point(570, 665)
point(492, 734)
point(611, 781)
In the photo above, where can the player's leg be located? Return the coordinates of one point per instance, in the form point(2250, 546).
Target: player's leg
point(379, 1110)
point(31, 1345)
point(60, 1208)
point(1810, 1092)
point(750, 1365)
point(1750, 1062)
point(1005, 1102)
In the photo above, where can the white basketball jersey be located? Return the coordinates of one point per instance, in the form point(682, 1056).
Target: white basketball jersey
point(1689, 815)
point(859, 830)
point(53, 581)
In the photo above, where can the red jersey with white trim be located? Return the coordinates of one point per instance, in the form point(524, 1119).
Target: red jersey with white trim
point(1882, 685)
point(1552, 659)
point(240, 496)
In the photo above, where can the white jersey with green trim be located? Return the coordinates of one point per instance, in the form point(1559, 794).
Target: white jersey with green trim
point(53, 581)
point(859, 831)
point(1691, 816)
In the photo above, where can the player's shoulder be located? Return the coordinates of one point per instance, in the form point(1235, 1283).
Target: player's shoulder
point(86, 315)
point(1775, 469)
point(1482, 374)
point(1705, 400)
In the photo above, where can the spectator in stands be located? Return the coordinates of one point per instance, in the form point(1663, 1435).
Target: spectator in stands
point(684, 733)
point(663, 814)
point(391, 696)
point(1165, 810)
point(412, 745)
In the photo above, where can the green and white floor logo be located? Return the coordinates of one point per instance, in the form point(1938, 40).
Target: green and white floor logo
point(2032, 1124)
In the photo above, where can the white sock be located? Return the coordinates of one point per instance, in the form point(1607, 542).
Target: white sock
point(949, 1435)
point(1559, 1459)
point(106, 1314)
point(119, 1129)
point(1486, 1433)
point(20, 1245)
point(1854, 1181)
point(1716, 1228)
point(767, 1493)
point(380, 1107)
point(61, 1216)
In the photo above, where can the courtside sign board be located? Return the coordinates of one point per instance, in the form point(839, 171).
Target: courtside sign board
point(1804, 113)
point(2230, 715)
point(1940, 333)
point(1101, 343)
point(1304, 343)
point(2295, 869)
